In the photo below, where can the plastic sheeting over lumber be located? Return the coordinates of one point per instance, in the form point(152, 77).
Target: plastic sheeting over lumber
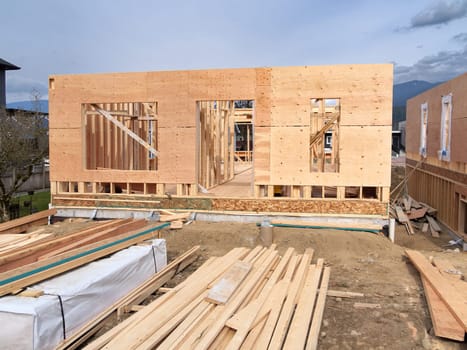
point(70, 300)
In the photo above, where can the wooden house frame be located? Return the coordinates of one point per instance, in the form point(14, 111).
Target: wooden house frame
point(436, 146)
point(167, 139)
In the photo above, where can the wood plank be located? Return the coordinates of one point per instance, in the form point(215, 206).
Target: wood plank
point(297, 335)
point(433, 224)
point(312, 342)
point(50, 243)
point(21, 224)
point(417, 213)
point(258, 309)
point(96, 237)
point(230, 308)
point(401, 216)
point(448, 294)
point(447, 269)
point(344, 294)
point(174, 217)
point(221, 292)
point(283, 322)
point(444, 323)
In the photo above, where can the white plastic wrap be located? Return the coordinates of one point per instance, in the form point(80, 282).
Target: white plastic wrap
point(37, 323)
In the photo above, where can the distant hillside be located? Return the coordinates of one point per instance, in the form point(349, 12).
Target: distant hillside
point(30, 105)
point(404, 91)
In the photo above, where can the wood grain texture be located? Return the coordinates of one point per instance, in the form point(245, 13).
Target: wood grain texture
point(282, 98)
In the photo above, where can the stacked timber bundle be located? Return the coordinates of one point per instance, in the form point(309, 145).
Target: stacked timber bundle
point(21, 266)
point(411, 213)
point(22, 224)
point(247, 299)
point(446, 295)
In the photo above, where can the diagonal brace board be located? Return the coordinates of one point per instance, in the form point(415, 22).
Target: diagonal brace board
point(130, 133)
point(321, 132)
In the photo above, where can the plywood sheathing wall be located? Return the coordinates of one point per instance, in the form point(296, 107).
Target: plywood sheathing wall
point(458, 88)
point(176, 94)
point(439, 183)
point(281, 122)
point(365, 92)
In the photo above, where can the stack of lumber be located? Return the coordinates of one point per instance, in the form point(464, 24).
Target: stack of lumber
point(176, 219)
point(10, 241)
point(247, 299)
point(22, 224)
point(446, 295)
point(29, 264)
point(410, 213)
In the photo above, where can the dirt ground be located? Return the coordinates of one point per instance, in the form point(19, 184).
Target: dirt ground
point(361, 262)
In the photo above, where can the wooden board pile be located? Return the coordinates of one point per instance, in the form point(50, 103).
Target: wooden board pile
point(246, 299)
point(21, 266)
point(446, 295)
point(411, 213)
point(22, 224)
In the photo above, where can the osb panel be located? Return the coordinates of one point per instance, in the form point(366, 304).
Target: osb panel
point(458, 88)
point(301, 206)
point(355, 207)
point(365, 92)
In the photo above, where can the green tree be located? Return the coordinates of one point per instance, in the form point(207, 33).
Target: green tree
point(23, 145)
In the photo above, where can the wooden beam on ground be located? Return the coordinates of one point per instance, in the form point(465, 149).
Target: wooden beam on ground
point(22, 224)
point(312, 342)
point(223, 290)
point(444, 323)
point(453, 299)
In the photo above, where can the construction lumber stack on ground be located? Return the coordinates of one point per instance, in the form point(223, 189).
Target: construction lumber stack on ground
point(413, 214)
point(25, 265)
point(247, 299)
point(446, 295)
point(22, 224)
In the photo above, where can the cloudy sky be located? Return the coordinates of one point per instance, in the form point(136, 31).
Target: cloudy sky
point(425, 39)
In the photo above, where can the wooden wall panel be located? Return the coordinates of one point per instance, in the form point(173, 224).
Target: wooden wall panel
point(458, 88)
point(66, 159)
point(365, 154)
point(289, 155)
point(282, 107)
point(365, 92)
point(262, 155)
point(459, 138)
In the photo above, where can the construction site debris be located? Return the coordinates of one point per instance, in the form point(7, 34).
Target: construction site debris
point(411, 213)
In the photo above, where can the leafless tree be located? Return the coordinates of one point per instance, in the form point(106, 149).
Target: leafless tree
point(23, 145)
